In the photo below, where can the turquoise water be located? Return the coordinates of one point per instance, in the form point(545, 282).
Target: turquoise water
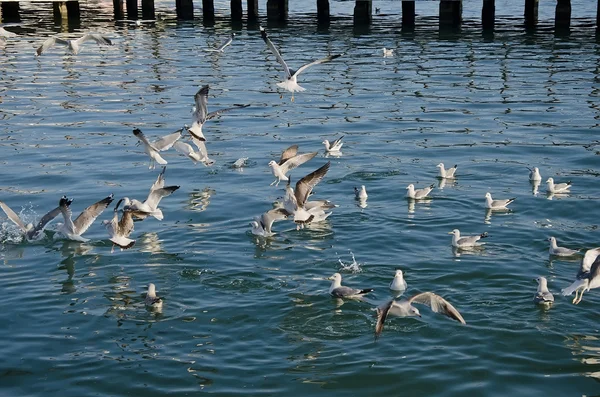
point(246, 315)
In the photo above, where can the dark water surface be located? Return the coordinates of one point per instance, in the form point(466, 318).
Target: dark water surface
point(246, 315)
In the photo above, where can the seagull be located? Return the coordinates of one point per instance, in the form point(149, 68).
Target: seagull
point(388, 52)
point(152, 149)
point(534, 174)
point(240, 163)
point(73, 45)
point(73, 230)
point(221, 48)
point(4, 34)
point(261, 225)
point(467, 241)
point(150, 205)
point(120, 230)
point(560, 251)
point(361, 194)
point(335, 146)
point(419, 193)
point(187, 150)
point(30, 232)
point(338, 291)
point(446, 173)
point(151, 299)
point(588, 276)
point(201, 115)
point(543, 296)
point(404, 308)
point(291, 83)
point(496, 204)
point(304, 187)
point(289, 160)
point(398, 283)
point(559, 187)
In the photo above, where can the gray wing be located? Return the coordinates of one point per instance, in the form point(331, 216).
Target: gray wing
point(468, 240)
point(201, 100)
point(216, 113)
point(267, 41)
point(305, 185)
point(288, 154)
point(226, 43)
point(589, 259)
point(201, 148)
point(89, 215)
point(95, 37)
point(341, 292)
point(49, 43)
point(336, 141)
point(13, 216)
point(545, 296)
point(296, 161)
point(271, 216)
point(167, 141)
point(438, 305)
point(125, 225)
point(157, 195)
point(32, 234)
point(140, 135)
point(382, 314)
point(324, 60)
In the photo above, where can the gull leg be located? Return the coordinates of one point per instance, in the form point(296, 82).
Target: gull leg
point(272, 183)
point(580, 297)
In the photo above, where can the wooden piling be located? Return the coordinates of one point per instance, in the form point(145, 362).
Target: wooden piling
point(488, 15)
point(450, 13)
point(253, 10)
point(208, 10)
point(66, 11)
point(132, 9)
point(119, 10)
point(408, 15)
point(236, 10)
point(363, 12)
point(531, 13)
point(277, 10)
point(562, 15)
point(10, 12)
point(185, 9)
point(323, 15)
point(148, 11)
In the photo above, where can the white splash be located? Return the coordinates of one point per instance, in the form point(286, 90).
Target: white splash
point(353, 267)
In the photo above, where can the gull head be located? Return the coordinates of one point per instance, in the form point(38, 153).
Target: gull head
point(325, 142)
point(336, 277)
point(410, 187)
point(151, 291)
point(398, 273)
point(272, 163)
point(414, 312)
point(126, 202)
point(552, 239)
point(455, 232)
point(440, 165)
point(542, 282)
point(550, 180)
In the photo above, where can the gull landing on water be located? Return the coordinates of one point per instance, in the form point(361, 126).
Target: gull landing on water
point(73, 230)
point(200, 156)
point(588, 276)
point(30, 232)
point(221, 48)
point(152, 149)
point(120, 230)
point(405, 308)
point(150, 205)
point(334, 147)
point(291, 76)
point(261, 225)
point(298, 201)
point(338, 291)
point(289, 160)
point(73, 45)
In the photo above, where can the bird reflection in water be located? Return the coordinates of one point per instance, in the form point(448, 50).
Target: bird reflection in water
point(150, 242)
point(199, 200)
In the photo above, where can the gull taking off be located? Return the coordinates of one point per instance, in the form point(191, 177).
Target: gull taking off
point(543, 296)
point(152, 149)
point(304, 187)
point(560, 251)
point(73, 45)
point(150, 205)
point(558, 187)
point(151, 299)
point(418, 194)
point(588, 276)
point(120, 230)
point(335, 146)
point(289, 160)
point(73, 230)
point(446, 173)
point(291, 83)
point(405, 308)
point(534, 174)
point(496, 204)
point(398, 283)
point(338, 291)
point(30, 232)
point(467, 241)
point(261, 225)
point(221, 48)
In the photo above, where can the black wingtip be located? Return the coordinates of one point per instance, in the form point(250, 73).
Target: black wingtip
point(64, 201)
point(366, 291)
point(455, 166)
point(336, 56)
point(484, 235)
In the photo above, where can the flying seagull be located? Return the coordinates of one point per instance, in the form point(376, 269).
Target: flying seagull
point(73, 45)
point(120, 230)
point(150, 205)
point(289, 160)
point(588, 276)
point(196, 156)
point(542, 295)
point(467, 241)
point(152, 149)
point(31, 232)
point(446, 173)
point(201, 115)
point(496, 204)
point(291, 83)
point(73, 230)
point(338, 291)
point(221, 48)
point(405, 308)
point(261, 225)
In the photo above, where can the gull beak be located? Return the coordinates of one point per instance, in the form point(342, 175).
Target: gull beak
point(450, 233)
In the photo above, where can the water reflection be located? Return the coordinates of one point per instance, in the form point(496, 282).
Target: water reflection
point(585, 349)
point(534, 187)
point(500, 211)
point(199, 200)
point(150, 242)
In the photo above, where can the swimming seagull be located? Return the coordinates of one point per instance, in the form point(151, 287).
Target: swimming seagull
point(201, 115)
point(588, 276)
point(151, 299)
point(30, 232)
point(221, 48)
point(335, 146)
point(543, 296)
point(289, 160)
point(405, 308)
point(418, 194)
point(4, 34)
point(303, 214)
point(467, 241)
point(560, 251)
point(73, 45)
point(338, 291)
point(398, 283)
point(446, 173)
point(150, 205)
point(73, 230)
point(496, 204)
point(534, 174)
point(291, 83)
point(361, 194)
point(388, 52)
point(119, 230)
point(187, 150)
point(261, 225)
point(152, 149)
point(558, 187)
